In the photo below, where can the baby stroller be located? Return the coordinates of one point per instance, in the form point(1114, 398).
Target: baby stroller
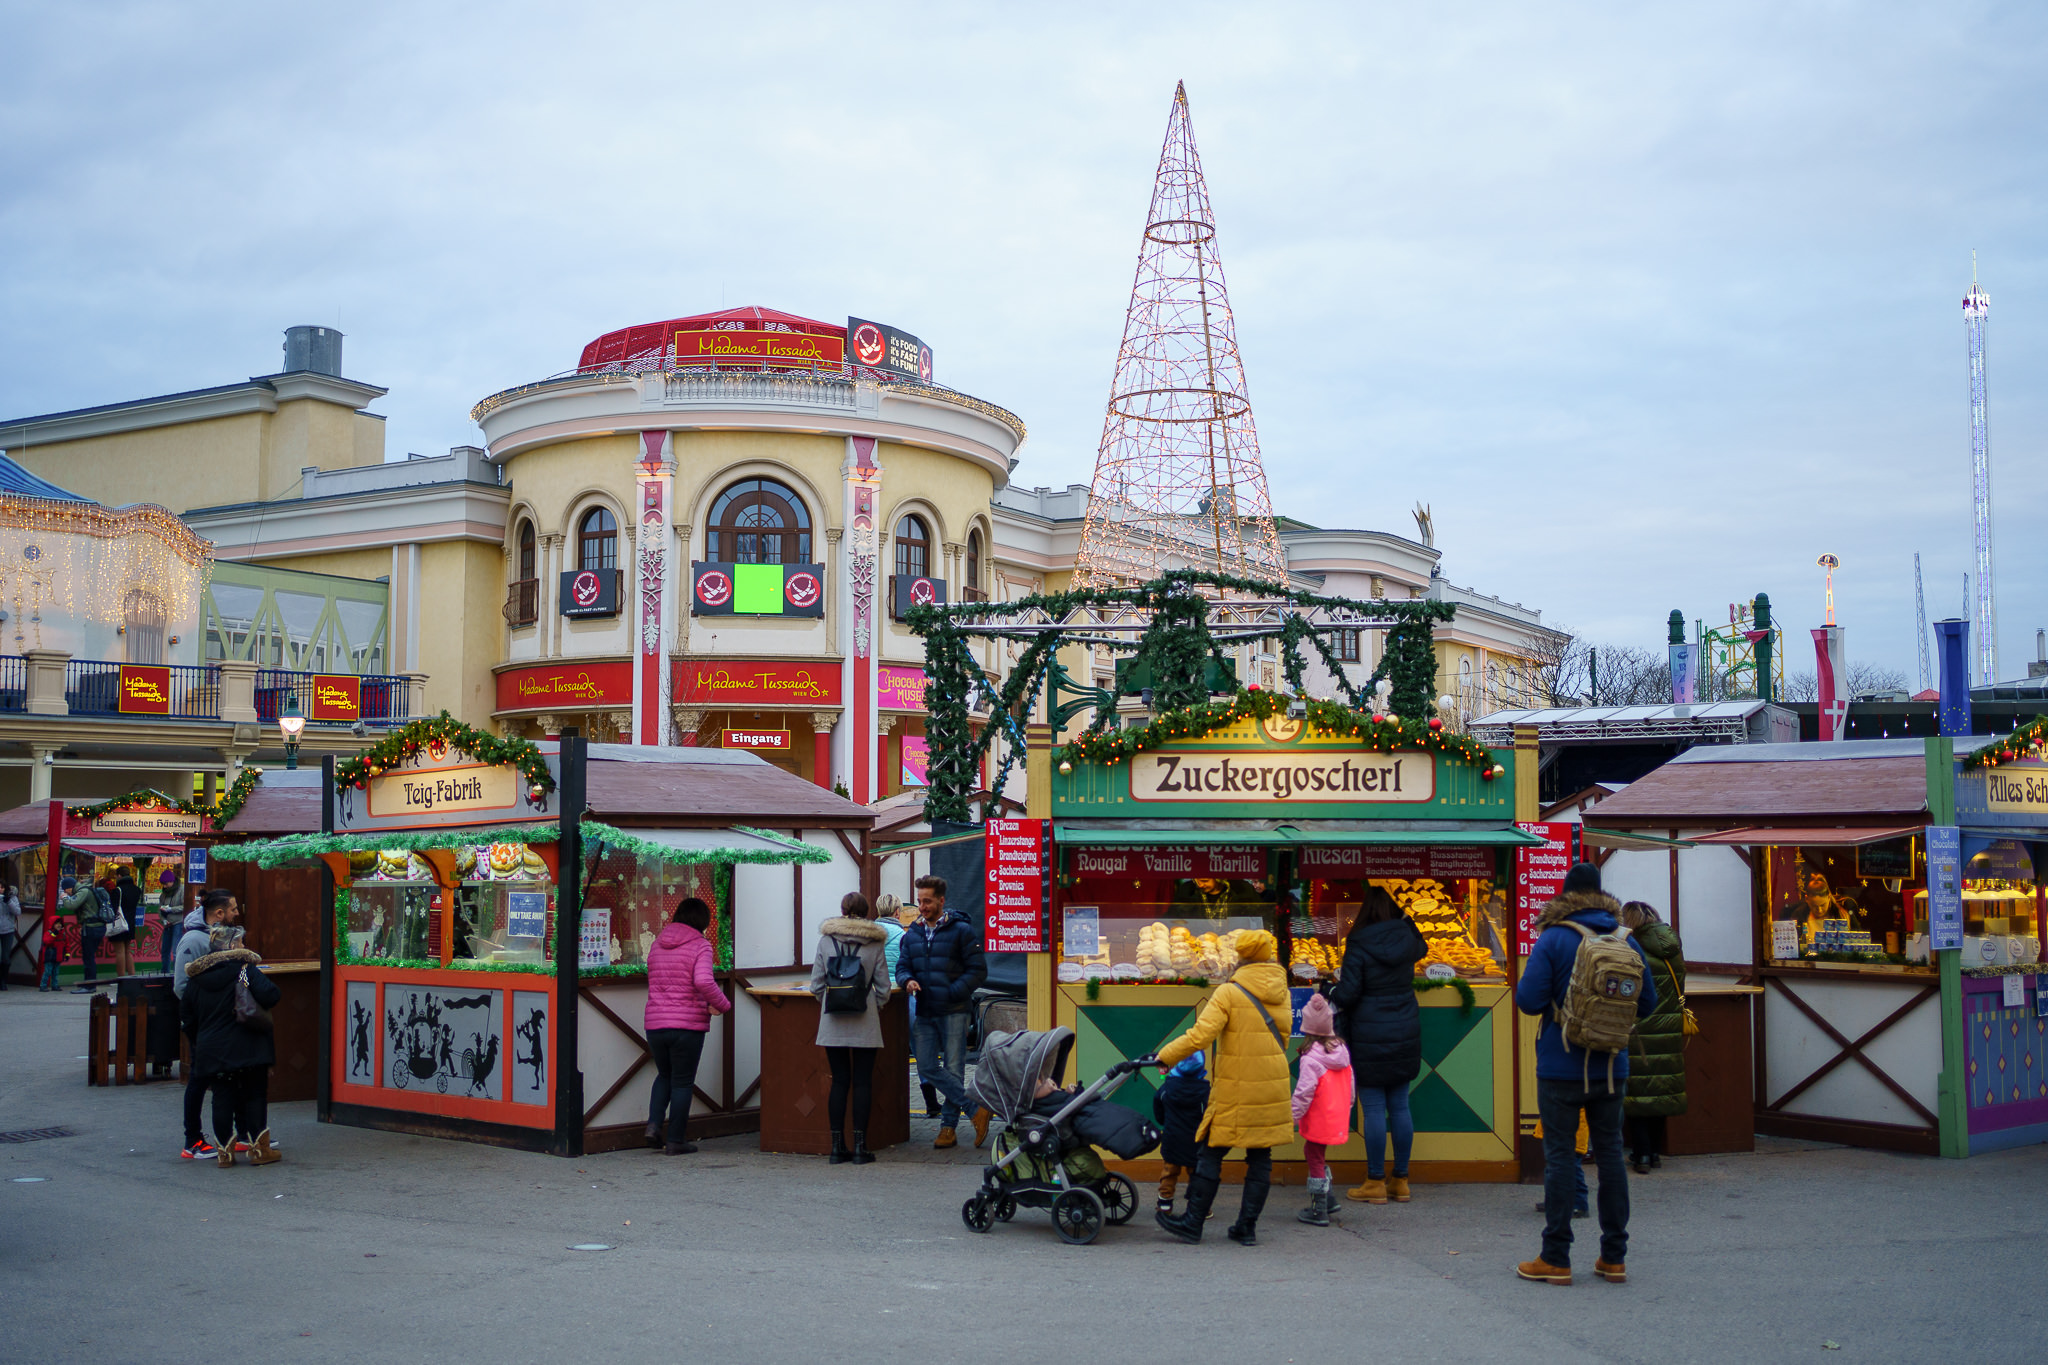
point(1040, 1161)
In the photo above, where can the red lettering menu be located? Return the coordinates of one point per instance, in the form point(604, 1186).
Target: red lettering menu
point(1015, 877)
point(1539, 874)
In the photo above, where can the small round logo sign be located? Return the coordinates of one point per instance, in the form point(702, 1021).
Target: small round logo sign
point(922, 593)
point(584, 588)
point(714, 588)
point(868, 346)
point(802, 589)
point(924, 363)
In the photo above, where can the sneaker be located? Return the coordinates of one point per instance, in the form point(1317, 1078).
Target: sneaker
point(1164, 1208)
point(82, 990)
point(1543, 1272)
point(241, 1146)
point(1614, 1272)
point(201, 1150)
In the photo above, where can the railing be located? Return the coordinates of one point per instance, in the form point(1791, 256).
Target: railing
point(92, 687)
point(382, 699)
point(800, 390)
point(13, 683)
point(522, 602)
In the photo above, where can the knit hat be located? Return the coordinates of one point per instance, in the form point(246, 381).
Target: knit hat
point(1582, 877)
point(1189, 1066)
point(1318, 1020)
point(68, 884)
point(1256, 945)
point(168, 877)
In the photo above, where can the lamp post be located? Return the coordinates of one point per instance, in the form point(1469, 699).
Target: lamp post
point(290, 723)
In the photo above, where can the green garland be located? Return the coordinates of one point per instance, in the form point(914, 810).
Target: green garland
point(797, 851)
point(296, 847)
point(2023, 743)
point(403, 743)
point(147, 798)
point(1466, 999)
point(1383, 734)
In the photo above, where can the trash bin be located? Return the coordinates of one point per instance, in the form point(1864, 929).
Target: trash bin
point(162, 1003)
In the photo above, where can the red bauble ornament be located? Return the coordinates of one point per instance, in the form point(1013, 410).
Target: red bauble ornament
point(1251, 687)
point(1436, 723)
point(1379, 720)
point(1486, 774)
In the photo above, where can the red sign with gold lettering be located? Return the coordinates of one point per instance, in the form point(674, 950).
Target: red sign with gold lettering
point(336, 696)
point(607, 683)
point(797, 350)
point(756, 682)
point(145, 689)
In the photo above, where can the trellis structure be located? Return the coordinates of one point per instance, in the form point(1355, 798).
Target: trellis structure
point(1172, 628)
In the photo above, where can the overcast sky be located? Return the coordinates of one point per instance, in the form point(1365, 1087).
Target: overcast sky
point(1653, 304)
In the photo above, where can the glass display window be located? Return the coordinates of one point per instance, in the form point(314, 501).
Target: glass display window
point(1160, 914)
point(1845, 904)
point(503, 903)
point(627, 899)
point(1450, 891)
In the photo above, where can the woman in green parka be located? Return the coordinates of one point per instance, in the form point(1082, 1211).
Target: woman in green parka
point(1656, 1053)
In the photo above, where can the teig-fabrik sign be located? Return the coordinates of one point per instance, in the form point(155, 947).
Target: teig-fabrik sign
point(1015, 922)
point(1279, 777)
point(878, 346)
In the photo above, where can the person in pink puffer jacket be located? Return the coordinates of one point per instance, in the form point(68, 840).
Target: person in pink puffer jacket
point(682, 995)
point(1322, 1102)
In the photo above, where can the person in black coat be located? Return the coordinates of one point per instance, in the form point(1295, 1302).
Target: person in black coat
point(234, 1057)
point(1178, 1106)
point(1375, 996)
point(940, 963)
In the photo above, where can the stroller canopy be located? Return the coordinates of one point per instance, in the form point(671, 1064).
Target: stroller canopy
point(1012, 1065)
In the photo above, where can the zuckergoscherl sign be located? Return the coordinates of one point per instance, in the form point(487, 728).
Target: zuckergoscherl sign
point(1309, 775)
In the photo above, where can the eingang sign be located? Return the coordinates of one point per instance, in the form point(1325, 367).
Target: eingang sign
point(1282, 776)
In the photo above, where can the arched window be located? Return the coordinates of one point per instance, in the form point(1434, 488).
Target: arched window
point(973, 592)
point(526, 555)
point(913, 548)
point(758, 521)
point(142, 621)
point(597, 540)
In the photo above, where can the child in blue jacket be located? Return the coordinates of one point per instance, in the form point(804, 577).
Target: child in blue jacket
point(1178, 1107)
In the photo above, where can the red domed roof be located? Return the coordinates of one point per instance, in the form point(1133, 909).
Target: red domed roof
point(652, 339)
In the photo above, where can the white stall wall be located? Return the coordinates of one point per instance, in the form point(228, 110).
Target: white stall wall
point(1715, 910)
point(825, 885)
point(763, 895)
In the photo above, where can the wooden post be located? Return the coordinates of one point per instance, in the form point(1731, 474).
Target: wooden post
point(1951, 1099)
point(1038, 777)
point(568, 941)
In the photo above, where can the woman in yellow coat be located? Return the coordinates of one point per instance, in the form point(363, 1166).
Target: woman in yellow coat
point(1251, 1100)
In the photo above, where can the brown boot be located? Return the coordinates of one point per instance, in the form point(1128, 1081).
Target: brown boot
point(947, 1138)
point(1614, 1272)
point(227, 1153)
point(1544, 1272)
point(981, 1118)
point(262, 1153)
point(1371, 1192)
point(1397, 1188)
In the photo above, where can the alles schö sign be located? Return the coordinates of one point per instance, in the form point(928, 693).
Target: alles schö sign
point(1282, 777)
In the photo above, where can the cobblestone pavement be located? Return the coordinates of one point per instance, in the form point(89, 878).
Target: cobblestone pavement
point(371, 1246)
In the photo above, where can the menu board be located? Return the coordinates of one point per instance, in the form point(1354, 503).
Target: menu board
point(1539, 874)
point(595, 941)
point(1366, 861)
point(526, 914)
point(1016, 880)
point(1944, 887)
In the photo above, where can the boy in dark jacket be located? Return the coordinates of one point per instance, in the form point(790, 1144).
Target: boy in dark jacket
point(940, 963)
point(1570, 1081)
point(1178, 1107)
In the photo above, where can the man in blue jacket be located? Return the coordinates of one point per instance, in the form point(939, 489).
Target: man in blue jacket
point(1570, 1080)
point(939, 962)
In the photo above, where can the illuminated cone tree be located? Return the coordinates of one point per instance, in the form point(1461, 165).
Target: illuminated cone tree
point(1178, 481)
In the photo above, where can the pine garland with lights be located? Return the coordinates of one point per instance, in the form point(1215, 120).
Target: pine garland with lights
point(2023, 743)
point(1381, 734)
point(405, 742)
point(149, 798)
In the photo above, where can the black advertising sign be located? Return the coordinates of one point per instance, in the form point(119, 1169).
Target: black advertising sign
point(590, 592)
point(878, 346)
point(908, 590)
point(718, 589)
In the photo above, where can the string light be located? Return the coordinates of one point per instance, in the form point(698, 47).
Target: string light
point(91, 562)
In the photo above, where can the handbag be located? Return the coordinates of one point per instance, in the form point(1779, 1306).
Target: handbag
point(1688, 1022)
point(117, 925)
point(846, 982)
point(248, 1013)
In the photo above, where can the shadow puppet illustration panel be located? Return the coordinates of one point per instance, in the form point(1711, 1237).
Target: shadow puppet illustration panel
point(359, 1032)
point(443, 1040)
point(529, 1067)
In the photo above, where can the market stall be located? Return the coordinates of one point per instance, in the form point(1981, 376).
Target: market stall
point(492, 902)
point(1882, 1017)
point(1165, 841)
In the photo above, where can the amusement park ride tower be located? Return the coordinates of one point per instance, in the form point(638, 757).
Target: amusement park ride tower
point(1976, 304)
point(1178, 480)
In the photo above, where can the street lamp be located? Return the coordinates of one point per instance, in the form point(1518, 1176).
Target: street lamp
point(290, 723)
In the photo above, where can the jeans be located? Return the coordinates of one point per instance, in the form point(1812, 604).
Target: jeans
point(939, 1042)
point(241, 1103)
point(1559, 1103)
point(853, 1077)
point(195, 1101)
point(6, 958)
point(168, 940)
point(1386, 1106)
point(1258, 1180)
point(676, 1054)
point(51, 966)
point(89, 941)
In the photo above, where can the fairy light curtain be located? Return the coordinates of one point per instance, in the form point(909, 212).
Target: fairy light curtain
point(79, 561)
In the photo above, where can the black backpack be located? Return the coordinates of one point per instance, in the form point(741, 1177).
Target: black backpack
point(846, 981)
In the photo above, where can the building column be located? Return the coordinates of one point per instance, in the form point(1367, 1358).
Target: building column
point(688, 721)
point(42, 768)
point(821, 747)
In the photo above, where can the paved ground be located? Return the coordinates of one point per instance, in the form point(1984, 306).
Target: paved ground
point(376, 1247)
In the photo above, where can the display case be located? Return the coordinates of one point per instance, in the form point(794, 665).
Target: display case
point(1161, 915)
point(1847, 904)
point(502, 894)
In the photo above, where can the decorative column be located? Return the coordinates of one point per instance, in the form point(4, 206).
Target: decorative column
point(651, 680)
point(863, 488)
point(688, 722)
point(821, 747)
point(889, 746)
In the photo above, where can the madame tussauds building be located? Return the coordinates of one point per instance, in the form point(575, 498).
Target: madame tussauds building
point(718, 523)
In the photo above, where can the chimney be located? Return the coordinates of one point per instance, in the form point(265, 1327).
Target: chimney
point(2039, 667)
point(312, 348)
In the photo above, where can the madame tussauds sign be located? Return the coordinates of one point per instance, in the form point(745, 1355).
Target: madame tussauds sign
point(1280, 777)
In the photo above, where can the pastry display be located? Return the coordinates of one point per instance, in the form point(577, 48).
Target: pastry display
point(391, 864)
point(1443, 927)
point(1321, 959)
point(362, 862)
point(465, 863)
point(505, 860)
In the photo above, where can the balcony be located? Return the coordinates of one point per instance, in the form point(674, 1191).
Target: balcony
point(92, 687)
point(522, 602)
point(50, 683)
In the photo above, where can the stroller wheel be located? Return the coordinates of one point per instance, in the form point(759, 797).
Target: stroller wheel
point(977, 1214)
point(1006, 1208)
point(1077, 1216)
point(1119, 1199)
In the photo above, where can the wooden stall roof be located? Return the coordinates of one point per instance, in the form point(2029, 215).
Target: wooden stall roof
point(281, 803)
point(635, 784)
point(1859, 781)
point(31, 819)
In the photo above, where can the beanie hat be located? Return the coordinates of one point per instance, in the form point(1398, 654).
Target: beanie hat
point(1582, 877)
point(1189, 1066)
point(1318, 1020)
point(1256, 945)
point(168, 877)
point(68, 884)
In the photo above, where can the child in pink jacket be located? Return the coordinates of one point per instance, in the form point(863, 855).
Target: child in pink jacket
point(1322, 1103)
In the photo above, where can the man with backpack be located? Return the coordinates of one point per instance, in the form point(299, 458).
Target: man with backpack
point(1588, 980)
point(939, 961)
